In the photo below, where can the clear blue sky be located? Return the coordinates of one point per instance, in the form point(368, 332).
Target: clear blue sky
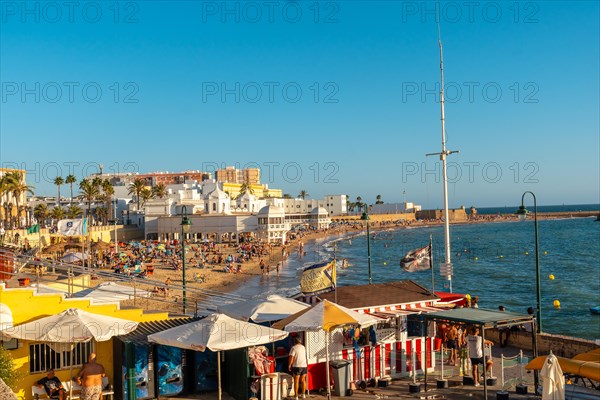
point(191, 85)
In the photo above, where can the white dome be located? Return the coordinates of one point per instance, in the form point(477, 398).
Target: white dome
point(218, 194)
point(319, 211)
point(271, 211)
point(247, 197)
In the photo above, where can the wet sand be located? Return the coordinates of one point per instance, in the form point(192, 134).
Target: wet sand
point(212, 285)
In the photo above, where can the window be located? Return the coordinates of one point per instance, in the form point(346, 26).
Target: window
point(42, 357)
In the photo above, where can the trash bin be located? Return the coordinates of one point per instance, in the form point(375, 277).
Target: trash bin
point(341, 377)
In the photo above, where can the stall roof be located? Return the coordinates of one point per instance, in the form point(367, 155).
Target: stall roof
point(479, 316)
point(140, 335)
point(380, 294)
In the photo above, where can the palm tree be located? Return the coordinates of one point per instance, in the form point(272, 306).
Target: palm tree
point(40, 212)
point(71, 180)
point(57, 213)
point(89, 192)
point(58, 181)
point(15, 183)
point(97, 181)
point(303, 194)
point(350, 206)
point(136, 188)
point(160, 191)
point(378, 199)
point(245, 188)
point(145, 195)
point(101, 213)
point(109, 191)
point(287, 196)
point(74, 211)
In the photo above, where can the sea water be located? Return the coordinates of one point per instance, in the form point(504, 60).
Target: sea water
point(495, 261)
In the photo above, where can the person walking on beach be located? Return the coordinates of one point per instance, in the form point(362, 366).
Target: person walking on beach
point(297, 365)
point(277, 268)
point(262, 266)
point(90, 378)
point(475, 344)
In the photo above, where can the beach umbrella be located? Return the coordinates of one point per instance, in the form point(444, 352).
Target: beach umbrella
point(325, 316)
point(6, 318)
point(109, 292)
point(217, 332)
point(71, 326)
point(74, 257)
point(273, 308)
point(553, 379)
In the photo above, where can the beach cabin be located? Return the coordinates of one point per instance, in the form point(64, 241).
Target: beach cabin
point(393, 348)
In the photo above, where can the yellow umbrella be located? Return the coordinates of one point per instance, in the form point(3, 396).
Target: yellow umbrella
point(324, 316)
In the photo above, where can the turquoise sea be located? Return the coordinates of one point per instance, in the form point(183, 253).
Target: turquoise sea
point(496, 261)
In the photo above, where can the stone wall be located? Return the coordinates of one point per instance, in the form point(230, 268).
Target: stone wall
point(377, 217)
point(563, 346)
point(454, 215)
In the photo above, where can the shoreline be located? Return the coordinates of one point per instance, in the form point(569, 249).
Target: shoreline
point(221, 284)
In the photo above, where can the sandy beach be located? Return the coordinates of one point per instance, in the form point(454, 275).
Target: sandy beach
point(212, 280)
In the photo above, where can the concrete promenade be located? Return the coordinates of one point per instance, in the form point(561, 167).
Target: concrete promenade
point(400, 389)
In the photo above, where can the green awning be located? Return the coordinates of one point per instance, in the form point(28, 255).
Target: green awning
point(479, 316)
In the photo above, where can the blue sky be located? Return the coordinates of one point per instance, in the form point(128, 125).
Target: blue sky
point(329, 97)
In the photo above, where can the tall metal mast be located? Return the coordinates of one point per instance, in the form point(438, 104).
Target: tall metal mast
point(446, 268)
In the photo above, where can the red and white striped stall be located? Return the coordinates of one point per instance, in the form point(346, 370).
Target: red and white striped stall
point(400, 345)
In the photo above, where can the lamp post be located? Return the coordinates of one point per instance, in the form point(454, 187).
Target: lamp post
point(186, 224)
point(365, 217)
point(522, 213)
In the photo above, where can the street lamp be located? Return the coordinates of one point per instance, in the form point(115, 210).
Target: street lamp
point(365, 217)
point(186, 224)
point(522, 213)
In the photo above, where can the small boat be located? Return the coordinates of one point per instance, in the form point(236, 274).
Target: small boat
point(595, 310)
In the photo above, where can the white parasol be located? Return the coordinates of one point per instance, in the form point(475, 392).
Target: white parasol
point(217, 332)
point(71, 326)
point(273, 308)
point(553, 379)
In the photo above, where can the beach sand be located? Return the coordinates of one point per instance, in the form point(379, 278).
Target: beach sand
point(214, 281)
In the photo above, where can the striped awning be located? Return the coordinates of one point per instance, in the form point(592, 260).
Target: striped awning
point(403, 312)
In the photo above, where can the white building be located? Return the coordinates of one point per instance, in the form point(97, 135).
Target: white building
point(216, 216)
point(334, 204)
point(272, 226)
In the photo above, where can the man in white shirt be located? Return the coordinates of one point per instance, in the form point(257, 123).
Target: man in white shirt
point(475, 345)
point(297, 365)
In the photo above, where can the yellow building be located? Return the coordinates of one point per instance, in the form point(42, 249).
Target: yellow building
point(259, 190)
point(26, 306)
